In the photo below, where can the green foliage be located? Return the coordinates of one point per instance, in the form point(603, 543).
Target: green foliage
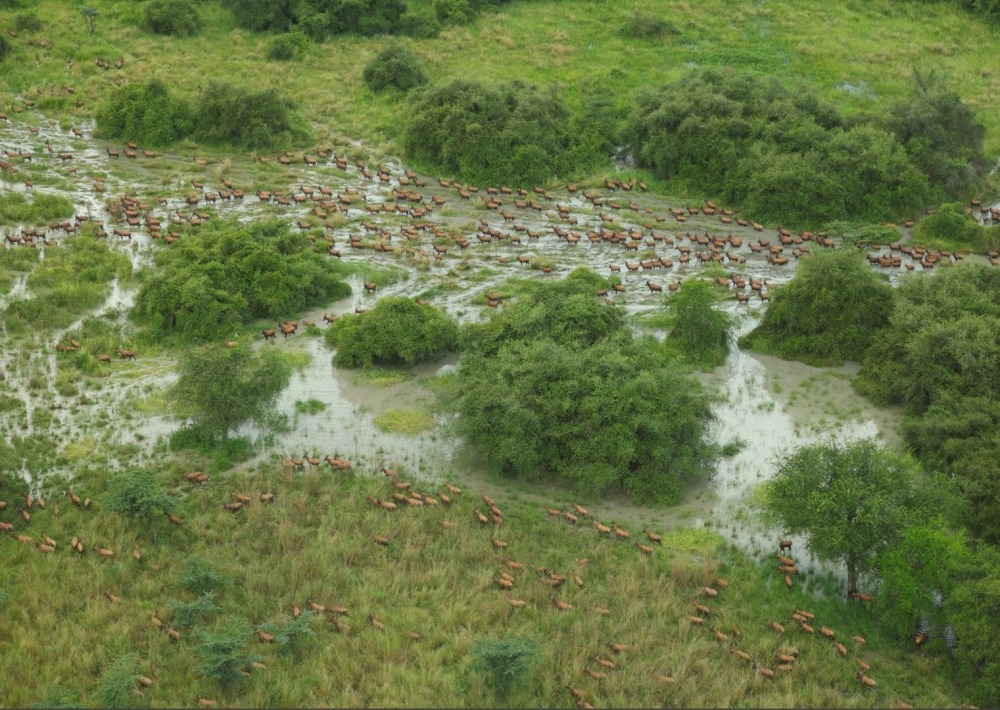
point(199, 576)
point(187, 614)
point(851, 501)
point(508, 133)
point(114, 689)
point(833, 310)
point(949, 223)
point(171, 17)
point(290, 634)
point(4, 48)
point(252, 120)
point(138, 494)
point(90, 15)
point(419, 24)
point(15, 207)
point(222, 388)
point(942, 134)
point(287, 46)
point(396, 331)
point(641, 25)
point(972, 609)
point(395, 67)
point(229, 274)
point(319, 18)
point(505, 662)
point(145, 113)
point(27, 22)
point(223, 654)
point(921, 569)
point(777, 153)
point(700, 332)
point(453, 12)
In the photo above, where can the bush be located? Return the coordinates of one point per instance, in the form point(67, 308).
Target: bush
point(171, 17)
point(138, 494)
point(419, 24)
point(319, 18)
point(4, 48)
point(397, 67)
point(287, 46)
point(951, 224)
point(972, 609)
point(228, 274)
point(234, 115)
point(453, 12)
point(42, 208)
point(505, 661)
point(27, 22)
point(642, 26)
point(114, 689)
point(700, 332)
point(144, 113)
point(223, 654)
point(396, 331)
point(833, 310)
point(509, 133)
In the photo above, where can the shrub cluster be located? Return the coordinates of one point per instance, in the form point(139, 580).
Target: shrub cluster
point(700, 332)
point(27, 22)
point(287, 46)
point(224, 114)
point(319, 18)
point(229, 274)
point(397, 331)
point(507, 133)
point(171, 17)
point(781, 155)
point(4, 48)
point(833, 310)
point(395, 67)
point(554, 387)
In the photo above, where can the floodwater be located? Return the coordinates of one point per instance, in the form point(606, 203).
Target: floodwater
point(770, 406)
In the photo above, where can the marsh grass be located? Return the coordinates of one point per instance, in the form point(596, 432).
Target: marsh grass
point(405, 421)
point(381, 376)
point(429, 580)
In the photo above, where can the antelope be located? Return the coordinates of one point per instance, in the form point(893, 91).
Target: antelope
point(865, 680)
point(785, 544)
point(644, 549)
point(653, 537)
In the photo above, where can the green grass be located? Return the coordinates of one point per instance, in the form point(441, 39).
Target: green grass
point(405, 421)
point(42, 208)
point(435, 582)
point(381, 376)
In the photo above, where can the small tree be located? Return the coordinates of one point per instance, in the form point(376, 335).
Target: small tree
point(851, 501)
point(222, 388)
point(90, 16)
point(223, 654)
point(700, 331)
point(290, 634)
point(171, 17)
point(138, 494)
point(114, 690)
point(395, 67)
point(505, 661)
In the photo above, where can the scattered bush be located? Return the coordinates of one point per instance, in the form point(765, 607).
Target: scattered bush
point(453, 12)
point(287, 46)
point(951, 224)
point(224, 655)
point(234, 115)
point(319, 18)
point(700, 332)
point(187, 614)
point(4, 48)
point(832, 310)
point(144, 113)
point(395, 67)
point(419, 24)
point(642, 26)
point(138, 494)
point(15, 207)
point(229, 274)
point(27, 22)
point(396, 331)
point(171, 17)
point(505, 661)
point(114, 689)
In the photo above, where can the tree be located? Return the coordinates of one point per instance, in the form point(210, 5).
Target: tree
point(222, 388)
point(223, 654)
point(138, 494)
point(505, 661)
point(851, 501)
point(395, 67)
point(700, 332)
point(114, 690)
point(832, 310)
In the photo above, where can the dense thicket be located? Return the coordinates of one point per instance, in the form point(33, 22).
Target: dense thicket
point(554, 388)
point(832, 310)
point(145, 113)
point(397, 331)
point(779, 154)
point(940, 359)
point(212, 282)
point(507, 133)
point(319, 18)
point(171, 17)
point(395, 67)
point(700, 332)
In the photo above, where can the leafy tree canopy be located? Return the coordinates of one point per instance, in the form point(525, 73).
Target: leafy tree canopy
point(700, 332)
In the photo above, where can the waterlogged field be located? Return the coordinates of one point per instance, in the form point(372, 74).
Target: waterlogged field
point(429, 574)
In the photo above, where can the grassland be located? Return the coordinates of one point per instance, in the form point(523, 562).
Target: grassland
point(315, 541)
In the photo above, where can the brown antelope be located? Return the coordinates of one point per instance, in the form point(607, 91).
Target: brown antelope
point(126, 354)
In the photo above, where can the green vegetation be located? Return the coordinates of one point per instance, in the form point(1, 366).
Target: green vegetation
point(4, 48)
point(138, 494)
point(145, 113)
point(405, 421)
point(224, 654)
point(971, 609)
point(287, 46)
point(228, 274)
point(42, 208)
point(397, 331)
point(117, 685)
point(319, 18)
point(27, 22)
point(700, 332)
point(778, 153)
point(553, 387)
point(395, 67)
point(832, 310)
point(222, 388)
point(946, 328)
point(949, 224)
point(852, 501)
point(508, 133)
point(505, 661)
point(171, 17)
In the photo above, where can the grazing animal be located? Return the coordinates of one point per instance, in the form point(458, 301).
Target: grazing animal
point(126, 354)
point(268, 333)
point(784, 545)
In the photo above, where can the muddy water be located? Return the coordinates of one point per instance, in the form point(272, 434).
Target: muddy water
point(770, 406)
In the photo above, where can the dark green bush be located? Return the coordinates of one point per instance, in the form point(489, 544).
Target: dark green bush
point(700, 332)
point(643, 26)
point(397, 331)
point(234, 115)
point(972, 609)
point(508, 133)
point(27, 22)
point(287, 46)
point(178, 18)
point(228, 274)
point(833, 310)
point(505, 662)
point(949, 223)
point(319, 18)
point(4, 48)
point(395, 67)
point(419, 24)
point(144, 113)
point(453, 12)
point(263, 15)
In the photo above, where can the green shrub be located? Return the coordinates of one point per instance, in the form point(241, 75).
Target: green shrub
point(949, 223)
point(396, 67)
point(286, 46)
point(15, 207)
point(396, 331)
point(27, 22)
point(700, 332)
point(171, 17)
point(419, 24)
point(229, 274)
point(833, 310)
point(319, 18)
point(144, 113)
point(4, 48)
point(223, 654)
point(972, 609)
point(453, 12)
point(643, 26)
point(187, 614)
point(138, 494)
point(114, 689)
point(234, 115)
point(198, 576)
point(505, 662)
